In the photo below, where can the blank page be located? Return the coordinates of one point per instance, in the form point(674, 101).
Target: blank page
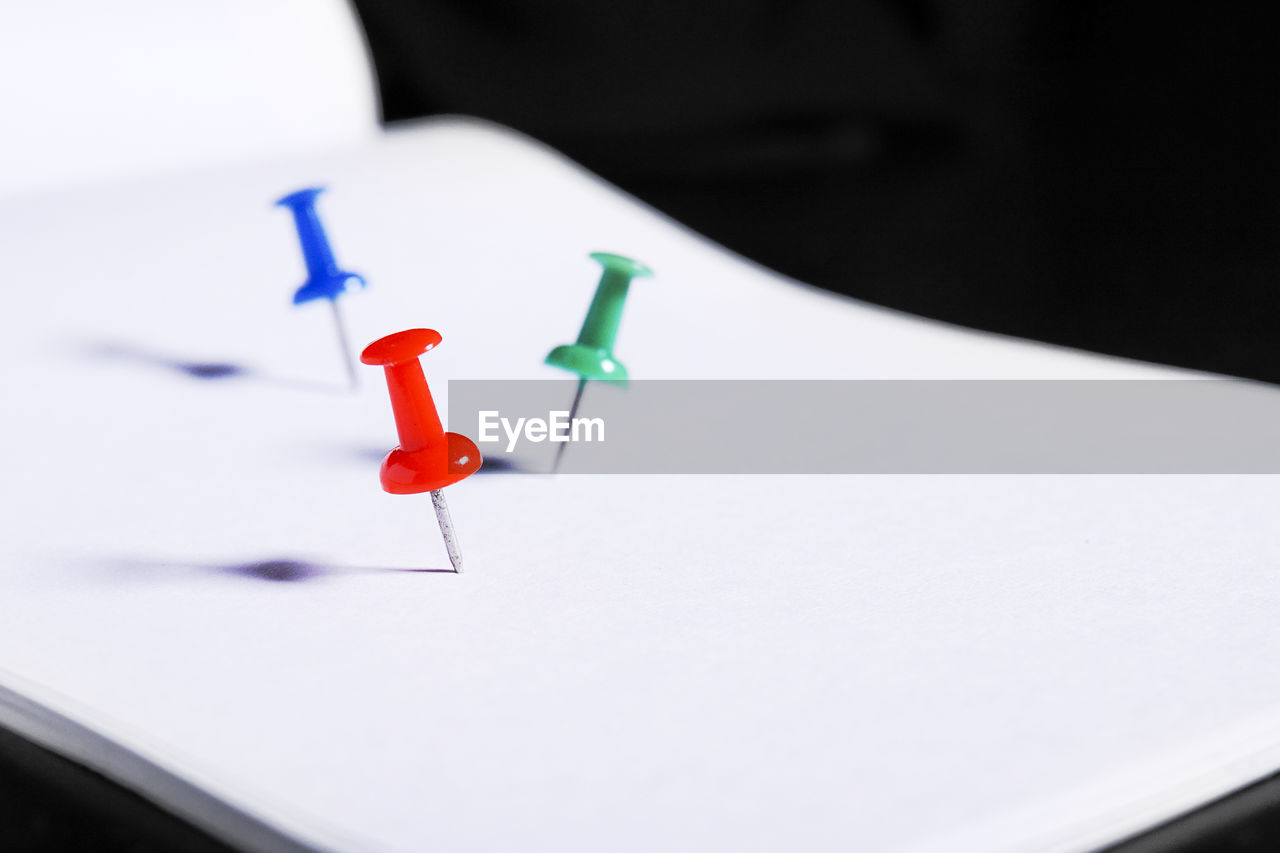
point(199, 563)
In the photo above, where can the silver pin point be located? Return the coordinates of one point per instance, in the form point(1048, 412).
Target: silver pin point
point(446, 529)
point(573, 411)
point(344, 344)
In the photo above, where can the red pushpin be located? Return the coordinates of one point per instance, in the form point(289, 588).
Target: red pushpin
point(428, 458)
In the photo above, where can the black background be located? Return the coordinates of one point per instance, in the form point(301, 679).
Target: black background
point(1095, 174)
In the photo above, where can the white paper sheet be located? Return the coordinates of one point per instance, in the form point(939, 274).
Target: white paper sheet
point(93, 91)
point(629, 663)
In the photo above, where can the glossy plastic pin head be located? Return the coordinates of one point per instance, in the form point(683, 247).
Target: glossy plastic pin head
point(428, 458)
point(591, 357)
point(325, 280)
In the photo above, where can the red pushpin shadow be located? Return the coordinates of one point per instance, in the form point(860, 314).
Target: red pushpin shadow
point(428, 458)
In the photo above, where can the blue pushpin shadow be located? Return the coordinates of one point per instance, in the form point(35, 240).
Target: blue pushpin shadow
point(325, 279)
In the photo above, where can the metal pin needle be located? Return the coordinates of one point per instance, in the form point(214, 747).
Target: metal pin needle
point(344, 344)
point(573, 410)
point(446, 529)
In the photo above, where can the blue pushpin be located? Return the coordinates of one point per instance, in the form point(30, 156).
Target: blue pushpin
point(324, 279)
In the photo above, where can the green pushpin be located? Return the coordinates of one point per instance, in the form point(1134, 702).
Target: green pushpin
point(591, 357)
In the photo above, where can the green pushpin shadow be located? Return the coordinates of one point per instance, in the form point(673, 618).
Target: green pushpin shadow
point(591, 357)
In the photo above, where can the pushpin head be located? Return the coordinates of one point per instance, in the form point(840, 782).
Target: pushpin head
point(618, 263)
point(324, 279)
point(428, 458)
point(401, 346)
point(406, 472)
point(591, 357)
point(588, 362)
